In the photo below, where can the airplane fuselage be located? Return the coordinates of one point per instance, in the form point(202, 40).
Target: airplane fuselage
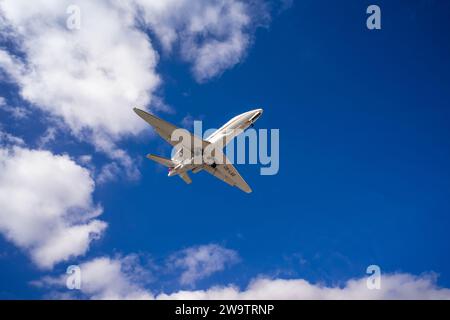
point(220, 137)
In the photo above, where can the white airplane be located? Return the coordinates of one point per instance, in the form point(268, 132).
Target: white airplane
point(219, 166)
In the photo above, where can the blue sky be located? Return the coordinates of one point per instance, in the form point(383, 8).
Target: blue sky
point(364, 156)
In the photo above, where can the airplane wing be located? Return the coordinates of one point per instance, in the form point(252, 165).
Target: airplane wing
point(165, 130)
point(185, 177)
point(228, 173)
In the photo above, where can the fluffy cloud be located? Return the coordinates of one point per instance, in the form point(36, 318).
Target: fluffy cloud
point(213, 35)
point(393, 286)
point(16, 112)
point(8, 139)
point(106, 278)
point(46, 205)
point(200, 262)
point(89, 77)
point(124, 278)
point(103, 278)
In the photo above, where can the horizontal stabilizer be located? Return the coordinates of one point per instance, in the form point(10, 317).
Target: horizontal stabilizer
point(164, 161)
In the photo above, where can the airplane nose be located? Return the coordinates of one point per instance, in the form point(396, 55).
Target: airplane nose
point(255, 114)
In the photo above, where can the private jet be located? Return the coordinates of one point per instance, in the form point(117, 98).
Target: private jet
point(185, 153)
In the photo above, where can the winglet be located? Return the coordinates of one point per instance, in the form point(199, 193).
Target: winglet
point(141, 113)
point(137, 110)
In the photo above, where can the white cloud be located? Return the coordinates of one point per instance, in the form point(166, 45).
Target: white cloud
point(213, 35)
point(92, 77)
point(16, 112)
point(108, 172)
point(393, 286)
point(46, 205)
point(188, 122)
point(48, 137)
point(7, 139)
point(85, 159)
point(200, 262)
point(124, 278)
point(105, 278)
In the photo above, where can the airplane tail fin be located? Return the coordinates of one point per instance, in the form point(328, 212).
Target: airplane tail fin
point(164, 161)
point(170, 164)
